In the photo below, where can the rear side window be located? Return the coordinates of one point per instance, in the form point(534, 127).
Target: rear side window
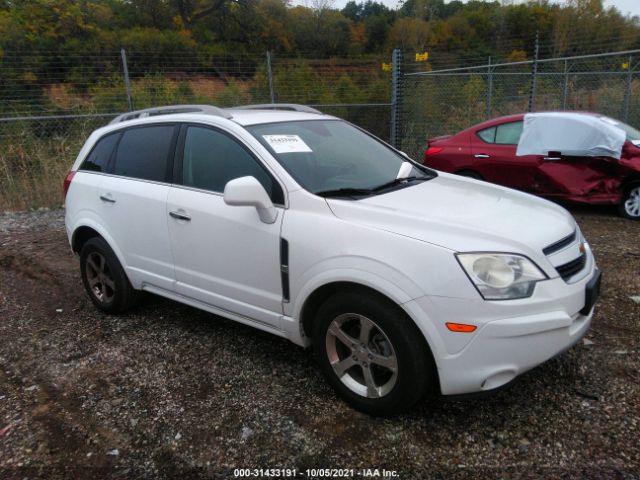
point(143, 152)
point(211, 159)
point(98, 159)
point(488, 135)
point(509, 133)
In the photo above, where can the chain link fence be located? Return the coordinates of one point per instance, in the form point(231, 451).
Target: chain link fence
point(441, 102)
point(50, 104)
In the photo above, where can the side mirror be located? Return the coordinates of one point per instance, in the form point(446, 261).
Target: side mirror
point(553, 156)
point(405, 170)
point(248, 192)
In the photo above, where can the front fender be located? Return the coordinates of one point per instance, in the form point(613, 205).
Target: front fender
point(375, 275)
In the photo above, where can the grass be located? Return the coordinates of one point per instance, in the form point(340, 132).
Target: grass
point(33, 167)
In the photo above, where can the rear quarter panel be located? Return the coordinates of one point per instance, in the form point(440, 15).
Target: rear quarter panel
point(455, 154)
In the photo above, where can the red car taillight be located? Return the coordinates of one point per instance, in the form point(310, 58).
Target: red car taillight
point(433, 151)
point(67, 182)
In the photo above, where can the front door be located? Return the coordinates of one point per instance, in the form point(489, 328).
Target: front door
point(224, 255)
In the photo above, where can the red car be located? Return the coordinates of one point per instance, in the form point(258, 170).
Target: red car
point(487, 151)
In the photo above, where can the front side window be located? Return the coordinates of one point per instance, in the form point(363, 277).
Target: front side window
point(143, 152)
point(211, 159)
point(330, 155)
point(98, 158)
point(509, 133)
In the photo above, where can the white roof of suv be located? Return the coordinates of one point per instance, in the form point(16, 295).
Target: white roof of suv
point(243, 115)
point(254, 117)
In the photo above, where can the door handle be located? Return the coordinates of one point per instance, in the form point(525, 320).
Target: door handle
point(107, 198)
point(180, 215)
point(482, 155)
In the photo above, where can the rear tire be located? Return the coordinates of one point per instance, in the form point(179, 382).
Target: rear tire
point(470, 174)
point(104, 278)
point(629, 206)
point(371, 353)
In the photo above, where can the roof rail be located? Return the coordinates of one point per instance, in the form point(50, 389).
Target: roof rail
point(170, 109)
point(279, 106)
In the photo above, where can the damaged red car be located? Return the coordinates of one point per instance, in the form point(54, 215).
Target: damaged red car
point(566, 156)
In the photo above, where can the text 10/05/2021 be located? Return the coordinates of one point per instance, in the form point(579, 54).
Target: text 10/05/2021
point(314, 473)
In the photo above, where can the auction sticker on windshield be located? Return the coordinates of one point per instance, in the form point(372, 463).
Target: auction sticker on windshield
point(287, 143)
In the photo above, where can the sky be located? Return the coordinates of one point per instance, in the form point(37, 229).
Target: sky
point(625, 6)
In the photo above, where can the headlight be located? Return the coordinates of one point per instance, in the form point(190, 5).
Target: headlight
point(501, 276)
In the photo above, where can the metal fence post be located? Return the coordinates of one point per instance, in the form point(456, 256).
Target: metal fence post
point(627, 95)
point(565, 89)
point(127, 83)
point(489, 89)
point(396, 84)
point(534, 75)
point(270, 75)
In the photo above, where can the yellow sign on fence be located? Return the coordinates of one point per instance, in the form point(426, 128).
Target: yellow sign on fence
point(386, 67)
point(422, 57)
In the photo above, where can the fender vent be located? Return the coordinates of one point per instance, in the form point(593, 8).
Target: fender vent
point(284, 268)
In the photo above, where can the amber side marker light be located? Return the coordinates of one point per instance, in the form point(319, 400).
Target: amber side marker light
point(460, 327)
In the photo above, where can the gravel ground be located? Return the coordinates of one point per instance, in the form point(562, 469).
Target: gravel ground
point(167, 391)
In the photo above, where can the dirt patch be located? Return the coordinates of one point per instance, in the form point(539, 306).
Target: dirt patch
point(168, 391)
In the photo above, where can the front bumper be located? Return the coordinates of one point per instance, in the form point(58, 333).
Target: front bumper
point(512, 336)
point(507, 348)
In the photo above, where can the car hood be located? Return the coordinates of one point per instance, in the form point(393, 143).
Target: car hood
point(462, 215)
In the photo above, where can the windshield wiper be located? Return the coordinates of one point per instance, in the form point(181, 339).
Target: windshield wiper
point(353, 192)
point(345, 192)
point(399, 181)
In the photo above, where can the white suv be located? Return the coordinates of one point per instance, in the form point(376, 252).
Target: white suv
point(403, 279)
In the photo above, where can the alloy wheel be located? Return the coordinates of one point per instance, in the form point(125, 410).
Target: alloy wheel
point(99, 277)
point(632, 203)
point(361, 355)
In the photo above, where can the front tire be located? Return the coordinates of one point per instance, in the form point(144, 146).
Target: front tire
point(371, 353)
point(104, 278)
point(630, 202)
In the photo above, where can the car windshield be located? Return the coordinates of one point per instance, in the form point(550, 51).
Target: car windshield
point(333, 157)
point(633, 135)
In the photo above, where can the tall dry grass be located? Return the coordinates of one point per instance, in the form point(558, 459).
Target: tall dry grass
point(33, 166)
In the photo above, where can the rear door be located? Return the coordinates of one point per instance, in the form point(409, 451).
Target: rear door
point(494, 152)
point(83, 196)
point(133, 202)
point(225, 256)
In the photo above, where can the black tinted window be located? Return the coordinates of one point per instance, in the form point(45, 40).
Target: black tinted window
point(98, 159)
point(143, 152)
point(211, 159)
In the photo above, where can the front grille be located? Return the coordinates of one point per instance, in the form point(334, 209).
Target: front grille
point(560, 244)
point(569, 269)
